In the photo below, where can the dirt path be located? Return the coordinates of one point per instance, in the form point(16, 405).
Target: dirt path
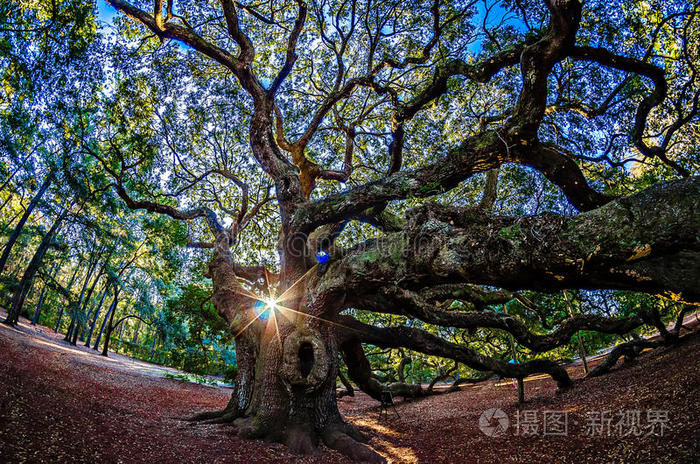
point(62, 404)
point(40, 335)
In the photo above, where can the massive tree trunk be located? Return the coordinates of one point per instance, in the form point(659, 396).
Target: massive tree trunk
point(287, 362)
point(288, 355)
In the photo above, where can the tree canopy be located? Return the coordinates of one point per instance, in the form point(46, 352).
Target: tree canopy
point(486, 178)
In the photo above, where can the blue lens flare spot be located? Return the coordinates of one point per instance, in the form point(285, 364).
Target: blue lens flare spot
point(262, 310)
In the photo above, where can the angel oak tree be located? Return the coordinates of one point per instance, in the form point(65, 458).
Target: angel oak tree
point(288, 360)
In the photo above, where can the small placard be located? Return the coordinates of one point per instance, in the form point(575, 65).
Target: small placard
point(387, 398)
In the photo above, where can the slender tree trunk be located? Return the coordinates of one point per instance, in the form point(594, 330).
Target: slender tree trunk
point(97, 314)
point(86, 301)
point(11, 176)
point(136, 333)
point(60, 317)
point(7, 226)
point(75, 325)
point(113, 308)
point(581, 349)
point(153, 344)
point(30, 294)
point(108, 316)
point(77, 330)
point(514, 353)
point(30, 272)
point(405, 360)
point(23, 220)
point(121, 337)
point(88, 276)
point(108, 335)
point(69, 332)
point(40, 303)
point(68, 289)
point(4, 203)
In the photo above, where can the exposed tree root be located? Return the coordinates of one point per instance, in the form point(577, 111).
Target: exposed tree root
point(341, 437)
point(338, 437)
point(251, 427)
point(225, 418)
point(205, 415)
point(220, 416)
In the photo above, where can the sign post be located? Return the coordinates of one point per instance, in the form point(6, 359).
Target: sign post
point(387, 400)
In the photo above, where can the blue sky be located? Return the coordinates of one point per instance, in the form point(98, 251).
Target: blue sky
point(105, 12)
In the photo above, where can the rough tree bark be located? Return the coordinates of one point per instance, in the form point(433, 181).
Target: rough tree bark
point(288, 356)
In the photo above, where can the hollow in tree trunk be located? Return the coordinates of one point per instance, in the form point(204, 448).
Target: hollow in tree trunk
point(287, 364)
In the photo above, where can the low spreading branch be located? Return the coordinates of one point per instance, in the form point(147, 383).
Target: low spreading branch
point(424, 342)
point(399, 301)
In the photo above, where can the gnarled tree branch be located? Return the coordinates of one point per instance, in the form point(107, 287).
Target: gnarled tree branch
point(424, 342)
point(618, 246)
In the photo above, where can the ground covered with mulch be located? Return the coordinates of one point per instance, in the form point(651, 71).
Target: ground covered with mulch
point(60, 404)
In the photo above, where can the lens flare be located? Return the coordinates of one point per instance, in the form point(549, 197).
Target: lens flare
point(264, 308)
point(271, 304)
